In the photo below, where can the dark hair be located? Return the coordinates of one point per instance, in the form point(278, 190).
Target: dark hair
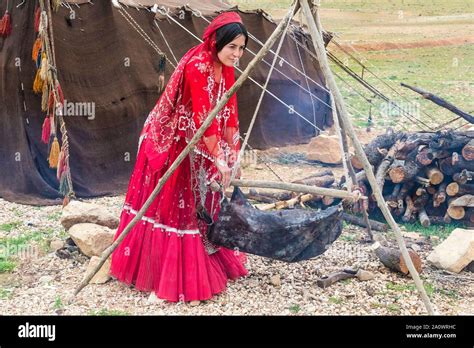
point(228, 33)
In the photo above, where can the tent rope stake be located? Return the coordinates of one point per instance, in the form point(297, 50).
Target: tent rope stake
point(346, 123)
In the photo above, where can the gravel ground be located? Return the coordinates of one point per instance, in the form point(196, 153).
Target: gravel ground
point(42, 282)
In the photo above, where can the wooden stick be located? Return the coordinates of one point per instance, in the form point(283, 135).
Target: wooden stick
point(298, 188)
point(347, 124)
point(441, 102)
point(245, 74)
point(355, 220)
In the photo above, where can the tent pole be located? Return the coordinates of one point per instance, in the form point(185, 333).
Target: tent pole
point(107, 252)
point(346, 123)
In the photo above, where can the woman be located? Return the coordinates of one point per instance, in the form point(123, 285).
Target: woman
point(167, 252)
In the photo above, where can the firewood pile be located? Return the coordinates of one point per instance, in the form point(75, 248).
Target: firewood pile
point(423, 176)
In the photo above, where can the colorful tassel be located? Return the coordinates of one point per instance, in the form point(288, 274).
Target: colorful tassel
point(61, 164)
point(36, 49)
point(51, 100)
point(37, 18)
point(64, 187)
point(56, 4)
point(66, 201)
point(54, 154)
point(38, 84)
point(6, 25)
point(60, 94)
point(44, 67)
point(46, 130)
point(45, 97)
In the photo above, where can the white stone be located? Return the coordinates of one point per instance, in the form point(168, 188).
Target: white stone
point(91, 239)
point(102, 276)
point(455, 252)
point(79, 212)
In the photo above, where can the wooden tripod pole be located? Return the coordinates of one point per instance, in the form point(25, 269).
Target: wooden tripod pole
point(271, 40)
point(347, 125)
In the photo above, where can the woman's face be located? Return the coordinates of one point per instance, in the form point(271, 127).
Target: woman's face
point(232, 52)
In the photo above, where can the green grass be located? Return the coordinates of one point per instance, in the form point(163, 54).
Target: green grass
point(108, 312)
point(444, 72)
point(54, 216)
point(10, 226)
point(5, 293)
point(394, 308)
point(430, 289)
point(435, 230)
point(12, 247)
point(58, 304)
point(335, 300)
point(416, 7)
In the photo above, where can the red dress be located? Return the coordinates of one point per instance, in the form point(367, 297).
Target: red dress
point(167, 251)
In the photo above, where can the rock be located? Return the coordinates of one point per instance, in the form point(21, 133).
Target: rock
point(45, 279)
point(412, 235)
point(415, 247)
point(102, 276)
point(77, 212)
point(56, 244)
point(152, 299)
point(470, 267)
point(275, 280)
point(91, 239)
point(325, 149)
point(455, 252)
point(364, 275)
point(379, 237)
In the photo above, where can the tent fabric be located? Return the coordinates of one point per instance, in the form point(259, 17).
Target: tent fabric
point(102, 60)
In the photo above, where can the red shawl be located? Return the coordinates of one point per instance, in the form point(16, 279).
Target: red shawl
point(187, 100)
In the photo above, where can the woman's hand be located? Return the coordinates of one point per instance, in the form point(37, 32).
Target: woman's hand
point(225, 173)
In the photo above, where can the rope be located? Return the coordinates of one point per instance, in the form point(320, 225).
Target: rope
point(163, 12)
point(306, 76)
point(166, 42)
point(257, 108)
point(370, 71)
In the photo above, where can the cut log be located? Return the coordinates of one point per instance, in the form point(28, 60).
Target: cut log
point(423, 217)
point(463, 177)
point(392, 200)
point(359, 221)
point(440, 220)
point(431, 189)
point(463, 201)
point(454, 189)
point(440, 195)
point(375, 149)
point(410, 209)
point(434, 175)
point(392, 259)
point(447, 218)
point(460, 163)
point(454, 211)
point(327, 200)
point(411, 143)
point(383, 167)
point(320, 181)
point(403, 171)
point(468, 151)
point(426, 155)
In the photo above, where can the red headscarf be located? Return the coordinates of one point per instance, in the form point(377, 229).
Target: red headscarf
point(166, 119)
